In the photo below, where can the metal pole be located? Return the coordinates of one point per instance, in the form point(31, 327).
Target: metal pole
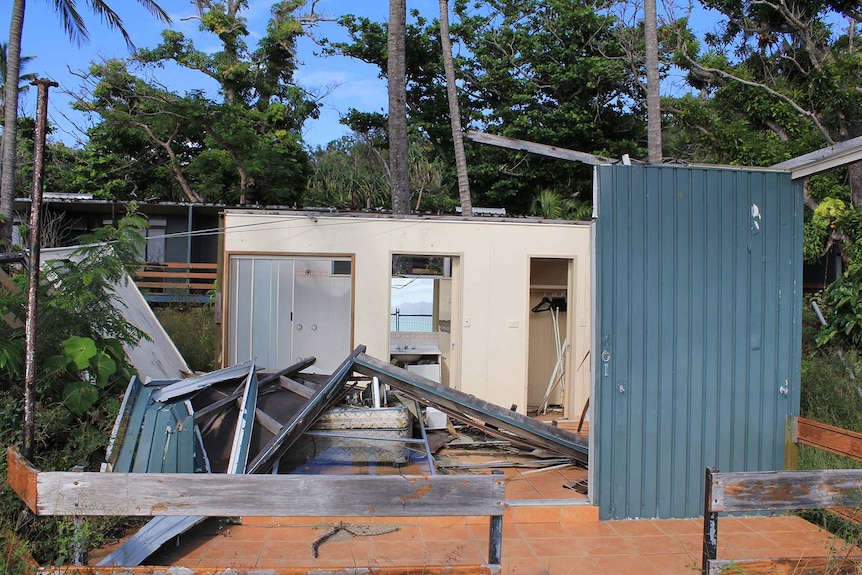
point(33, 286)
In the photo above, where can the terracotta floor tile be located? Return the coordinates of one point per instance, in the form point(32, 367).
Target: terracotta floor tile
point(733, 525)
point(554, 491)
point(516, 548)
point(768, 524)
point(587, 529)
point(521, 490)
point(405, 533)
point(574, 473)
point(350, 553)
point(524, 566)
point(656, 544)
point(675, 563)
point(633, 528)
point(579, 513)
point(285, 553)
point(234, 552)
point(247, 533)
point(455, 553)
point(596, 546)
point(626, 565)
point(573, 566)
point(746, 542)
point(401, 553)
point(299, 534)
point(557, 547)
point(545, 514)
point(450, 533)
point(543, 530)
point(694, 543)
point(680, 526)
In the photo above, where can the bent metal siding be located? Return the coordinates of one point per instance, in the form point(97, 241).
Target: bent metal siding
point(698, 331)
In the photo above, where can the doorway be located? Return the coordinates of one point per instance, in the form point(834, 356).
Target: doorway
point(548, 361)
point(423, 313)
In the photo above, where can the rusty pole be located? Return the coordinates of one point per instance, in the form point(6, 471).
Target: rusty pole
point(33, 286)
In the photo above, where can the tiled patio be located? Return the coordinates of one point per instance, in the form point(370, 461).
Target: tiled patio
point(536, 541)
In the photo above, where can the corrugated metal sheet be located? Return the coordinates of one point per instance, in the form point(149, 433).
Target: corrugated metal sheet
point(698, 331)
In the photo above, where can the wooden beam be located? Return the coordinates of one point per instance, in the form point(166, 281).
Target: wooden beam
point(218, 495)
point(375, 570)
point(535, 148)
point(829, 438)
point(838, 565)
point(785, 490)
point(21, 476)
point(296, 387)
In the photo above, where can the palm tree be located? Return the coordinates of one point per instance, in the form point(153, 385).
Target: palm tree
point(77, 31)
point(654, 151)
point(455, 112)
point(399, 180)
point(23, 79)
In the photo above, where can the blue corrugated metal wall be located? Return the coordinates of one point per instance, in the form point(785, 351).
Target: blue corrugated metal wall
point(698, 331)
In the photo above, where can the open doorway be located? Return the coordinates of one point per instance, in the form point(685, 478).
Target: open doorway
point(422, 314)
point(548, 359)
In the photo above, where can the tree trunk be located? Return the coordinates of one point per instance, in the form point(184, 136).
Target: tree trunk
point(397, 76)
point(10, 124)
point(654, 151)
point(455, 112)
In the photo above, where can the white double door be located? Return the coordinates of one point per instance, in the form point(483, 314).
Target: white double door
point(282, 309)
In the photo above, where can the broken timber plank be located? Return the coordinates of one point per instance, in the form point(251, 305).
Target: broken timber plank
point(170, 494)
point(497, 420)
point(785, 490)
point(838, 565)
point(296, 387)
point(173, 570)
point(536, 148)
point(829, 438)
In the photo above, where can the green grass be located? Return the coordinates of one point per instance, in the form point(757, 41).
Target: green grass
point(194, 331)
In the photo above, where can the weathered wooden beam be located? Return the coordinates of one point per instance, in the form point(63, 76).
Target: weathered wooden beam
point(838, 565)
point(375, 570)
point(182, 494)
point(296, 387)
point(536, 148)
point(829, 438)
point(785, 490)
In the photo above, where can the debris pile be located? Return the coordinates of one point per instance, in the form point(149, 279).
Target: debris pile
point(241, 421)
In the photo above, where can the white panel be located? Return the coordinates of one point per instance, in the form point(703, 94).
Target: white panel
point(262, 300)
point(321, 314)
point(239, 336)
point(283, 308)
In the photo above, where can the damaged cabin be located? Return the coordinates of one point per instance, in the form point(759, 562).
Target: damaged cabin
point(505, 304)
point(668, 329)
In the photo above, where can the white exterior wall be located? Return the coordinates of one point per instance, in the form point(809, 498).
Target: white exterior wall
point(490, 288)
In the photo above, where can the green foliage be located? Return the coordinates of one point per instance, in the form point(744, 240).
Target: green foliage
point(548, 204)
point(81, 372)
point(243, 147)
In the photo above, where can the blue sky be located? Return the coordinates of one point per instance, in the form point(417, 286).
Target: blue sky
point(352, 83)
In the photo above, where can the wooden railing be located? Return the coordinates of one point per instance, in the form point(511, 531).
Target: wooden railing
point(838, 490)
point(177, 275)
